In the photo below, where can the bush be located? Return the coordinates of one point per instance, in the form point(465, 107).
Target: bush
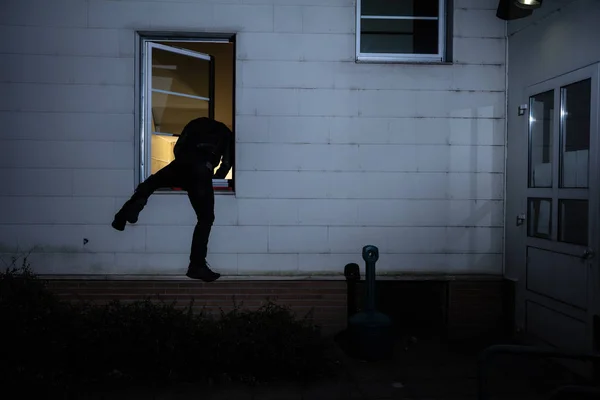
point(48, 343)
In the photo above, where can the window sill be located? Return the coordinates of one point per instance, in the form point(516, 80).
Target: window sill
point(218, 191)
point(224, 192)
point(366, 59)
point(220, 187)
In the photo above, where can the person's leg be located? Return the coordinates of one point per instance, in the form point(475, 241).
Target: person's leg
point(201, 195)
point(169, 176)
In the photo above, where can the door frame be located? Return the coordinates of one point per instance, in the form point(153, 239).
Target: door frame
point(593, 268)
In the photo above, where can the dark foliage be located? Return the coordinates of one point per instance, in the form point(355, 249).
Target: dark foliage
point(50, 344)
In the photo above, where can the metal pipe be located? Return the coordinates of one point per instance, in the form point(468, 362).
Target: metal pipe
point(370, 254)
point(352, 274)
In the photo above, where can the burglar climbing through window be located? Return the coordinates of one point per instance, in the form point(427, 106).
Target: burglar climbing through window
point(202, 144)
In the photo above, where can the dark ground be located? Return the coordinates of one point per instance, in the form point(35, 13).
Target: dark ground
point(427, 369)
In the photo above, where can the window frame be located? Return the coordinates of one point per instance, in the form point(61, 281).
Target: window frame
point(143, 136)
point(443, 55)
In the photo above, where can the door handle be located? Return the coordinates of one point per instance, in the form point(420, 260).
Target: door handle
point(588, 254)
point(520, 219)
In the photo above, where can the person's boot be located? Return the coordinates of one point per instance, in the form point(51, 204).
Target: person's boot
point(128, 213)
point(119, 222)
point(202, 272)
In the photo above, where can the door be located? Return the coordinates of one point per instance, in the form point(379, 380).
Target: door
point(179, 88)
point(560, 292)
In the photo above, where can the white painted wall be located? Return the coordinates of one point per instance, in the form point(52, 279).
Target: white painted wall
point(331, 155)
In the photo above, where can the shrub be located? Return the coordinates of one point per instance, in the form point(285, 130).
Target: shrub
point(53, 344)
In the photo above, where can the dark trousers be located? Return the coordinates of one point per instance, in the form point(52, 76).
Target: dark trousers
point(196, 179)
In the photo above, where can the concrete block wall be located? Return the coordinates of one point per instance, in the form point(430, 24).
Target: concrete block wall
point(331, 155)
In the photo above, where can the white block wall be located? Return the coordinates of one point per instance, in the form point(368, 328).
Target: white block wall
point(331, 155)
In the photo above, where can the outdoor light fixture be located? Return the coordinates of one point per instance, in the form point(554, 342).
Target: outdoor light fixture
point(529, 4)
point(509, 10)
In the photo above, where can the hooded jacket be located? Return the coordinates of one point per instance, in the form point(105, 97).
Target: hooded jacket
point(206, 140)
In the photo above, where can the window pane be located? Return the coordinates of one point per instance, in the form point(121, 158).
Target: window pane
point(399, 36)
point(573, 221)
point(170, 113)
point(575, 134)
point(179, 73)
point(161, 152)
point(409, 8)
point(540, 218)
point(541, 117)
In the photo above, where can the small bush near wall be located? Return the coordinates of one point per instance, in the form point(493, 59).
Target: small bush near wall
point(53, 344)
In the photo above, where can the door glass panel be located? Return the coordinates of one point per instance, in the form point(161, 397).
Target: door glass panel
point(539, 217)
point(541, 117)
point(573, 221)
point(575, 115)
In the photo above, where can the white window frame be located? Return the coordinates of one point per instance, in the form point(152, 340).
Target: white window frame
point(148, 41)
point(440, 57)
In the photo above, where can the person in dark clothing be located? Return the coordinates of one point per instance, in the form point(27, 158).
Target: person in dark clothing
point(203, 143)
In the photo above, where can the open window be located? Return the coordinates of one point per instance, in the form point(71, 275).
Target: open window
point(183, 78)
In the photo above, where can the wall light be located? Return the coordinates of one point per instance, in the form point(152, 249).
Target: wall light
point(529, 4)
point(508, 10)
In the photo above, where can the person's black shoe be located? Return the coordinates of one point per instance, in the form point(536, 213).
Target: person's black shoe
point(133, 209)
point(119, 222)
point(202, 272)
point(128, 213)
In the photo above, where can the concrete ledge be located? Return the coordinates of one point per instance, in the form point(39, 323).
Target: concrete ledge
point(339, 277)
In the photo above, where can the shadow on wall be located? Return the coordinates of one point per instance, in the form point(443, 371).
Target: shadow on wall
point(482, 206)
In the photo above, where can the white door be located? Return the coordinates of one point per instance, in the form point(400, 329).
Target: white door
point(560, 289)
